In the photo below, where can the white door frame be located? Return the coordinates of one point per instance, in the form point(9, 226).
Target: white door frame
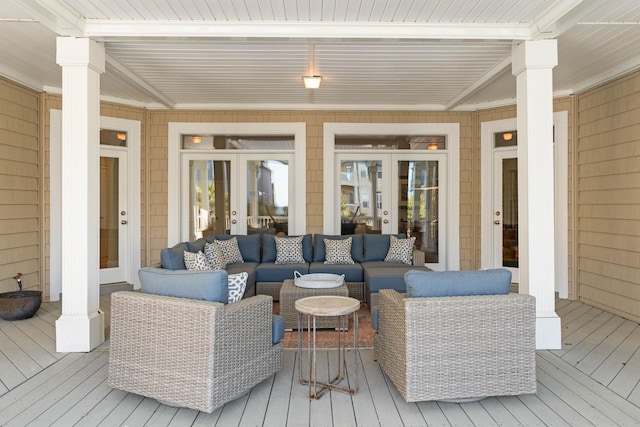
point(297, 177)
point(451, 162)
point(132, 127)
point(561, 162)
point(121, 272)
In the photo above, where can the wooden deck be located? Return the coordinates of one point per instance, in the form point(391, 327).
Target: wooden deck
point(593, 380)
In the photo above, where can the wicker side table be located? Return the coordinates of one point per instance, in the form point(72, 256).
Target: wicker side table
point(289, 293)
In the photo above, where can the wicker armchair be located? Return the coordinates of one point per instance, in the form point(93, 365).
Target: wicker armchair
point(190, 353)
point(457, 348)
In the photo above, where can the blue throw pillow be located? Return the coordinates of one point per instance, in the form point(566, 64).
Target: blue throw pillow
point(207, 285)
point(457, 283)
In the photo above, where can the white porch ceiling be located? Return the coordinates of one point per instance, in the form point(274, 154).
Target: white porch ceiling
point(372, 54)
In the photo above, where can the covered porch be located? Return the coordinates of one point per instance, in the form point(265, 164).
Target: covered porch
point(593, 380)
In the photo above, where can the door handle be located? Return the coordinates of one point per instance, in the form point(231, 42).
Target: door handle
point(496, 222)
point(123, 222)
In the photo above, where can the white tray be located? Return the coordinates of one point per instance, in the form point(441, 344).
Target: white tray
point(317, 280)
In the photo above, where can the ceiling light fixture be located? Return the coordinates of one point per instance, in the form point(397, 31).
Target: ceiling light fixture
point(196, 139)
point(312, 82)
point(507, 136)
point(432, 146)
point(121, 136)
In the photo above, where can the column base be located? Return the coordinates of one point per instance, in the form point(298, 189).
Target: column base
point(548, 332)
point(79, 333)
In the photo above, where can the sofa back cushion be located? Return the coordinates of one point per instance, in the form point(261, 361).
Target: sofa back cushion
point(376, 246)
point(457, 283)
point(269, 251)
point(207, 285)
point(249, 245)
point(320, 253)
point(173, 258)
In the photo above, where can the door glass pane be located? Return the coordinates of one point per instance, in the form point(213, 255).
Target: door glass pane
point(418, 205)
point(109, 227)
point(208, 197)
point(391, 142)
point(360, 196)
point(510, 212)
point(267, 196)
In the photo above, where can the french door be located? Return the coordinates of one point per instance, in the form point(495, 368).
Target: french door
point(114, 218)
point(235, 193)
point(394, 193)
point(505, 185)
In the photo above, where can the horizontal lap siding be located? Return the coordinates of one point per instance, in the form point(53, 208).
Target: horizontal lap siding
point(19, 187)
point(608, 197)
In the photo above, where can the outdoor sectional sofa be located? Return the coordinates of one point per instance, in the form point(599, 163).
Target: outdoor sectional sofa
point(365, 277)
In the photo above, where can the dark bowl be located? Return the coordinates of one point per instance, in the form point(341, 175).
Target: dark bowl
point(18, 305)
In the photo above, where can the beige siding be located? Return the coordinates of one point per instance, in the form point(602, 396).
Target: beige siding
point(608, 197)
point(19, 187)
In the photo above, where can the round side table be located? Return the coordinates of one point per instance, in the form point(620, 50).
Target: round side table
point(320, 306)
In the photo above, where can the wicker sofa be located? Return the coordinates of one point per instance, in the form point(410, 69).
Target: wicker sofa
point(191, 353)
point(456, 347)
point(364, 278)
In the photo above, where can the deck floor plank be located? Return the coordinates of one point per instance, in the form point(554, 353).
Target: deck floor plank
point(601, 352)
point(617, 360)
point(68, 402)
point(50, 393)
point(593, 380)
point(593, 399)
point(29, 343)
point(498, 412)
point(628, 378)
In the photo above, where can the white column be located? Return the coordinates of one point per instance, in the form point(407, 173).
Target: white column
point(532, 65)
point(80, 328)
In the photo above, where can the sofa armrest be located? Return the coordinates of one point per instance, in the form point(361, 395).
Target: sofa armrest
point(419, 258)
point(391, 336)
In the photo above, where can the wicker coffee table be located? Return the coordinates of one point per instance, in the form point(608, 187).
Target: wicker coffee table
point(290, 293)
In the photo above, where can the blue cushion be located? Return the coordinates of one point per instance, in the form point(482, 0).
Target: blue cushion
point(269, 248)
point(320, 254)
point(376, 246)
point(374, 318)
point(457, 283)
point(277, 328)
point(208, 285)
point(270, 272)
point(386, 278)
point(197, 245)
point(173, 258)
point(352, 272)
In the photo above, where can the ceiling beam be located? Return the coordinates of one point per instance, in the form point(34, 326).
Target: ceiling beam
point(560, 17)
point(152, 91)
point(306, 30)
point(55, 15)
point(487, 78)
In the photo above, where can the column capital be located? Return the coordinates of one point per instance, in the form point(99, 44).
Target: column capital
point(539, 54)
point(73, 51)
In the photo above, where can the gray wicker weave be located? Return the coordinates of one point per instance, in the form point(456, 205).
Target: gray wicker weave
point(289, 293)
point(356, 289)
point(190, 353)
point(457, 347)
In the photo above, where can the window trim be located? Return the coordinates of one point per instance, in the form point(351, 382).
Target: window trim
point(176, 129)
point(451, 130)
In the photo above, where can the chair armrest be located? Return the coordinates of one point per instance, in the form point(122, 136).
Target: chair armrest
point(419, 258)
point(391, 337)
point(246, 329)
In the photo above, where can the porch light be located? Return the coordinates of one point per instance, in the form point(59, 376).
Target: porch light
point(432, 146)
point(312, 82)
point(507, 136)
point(121, 136)
point(196, 139)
